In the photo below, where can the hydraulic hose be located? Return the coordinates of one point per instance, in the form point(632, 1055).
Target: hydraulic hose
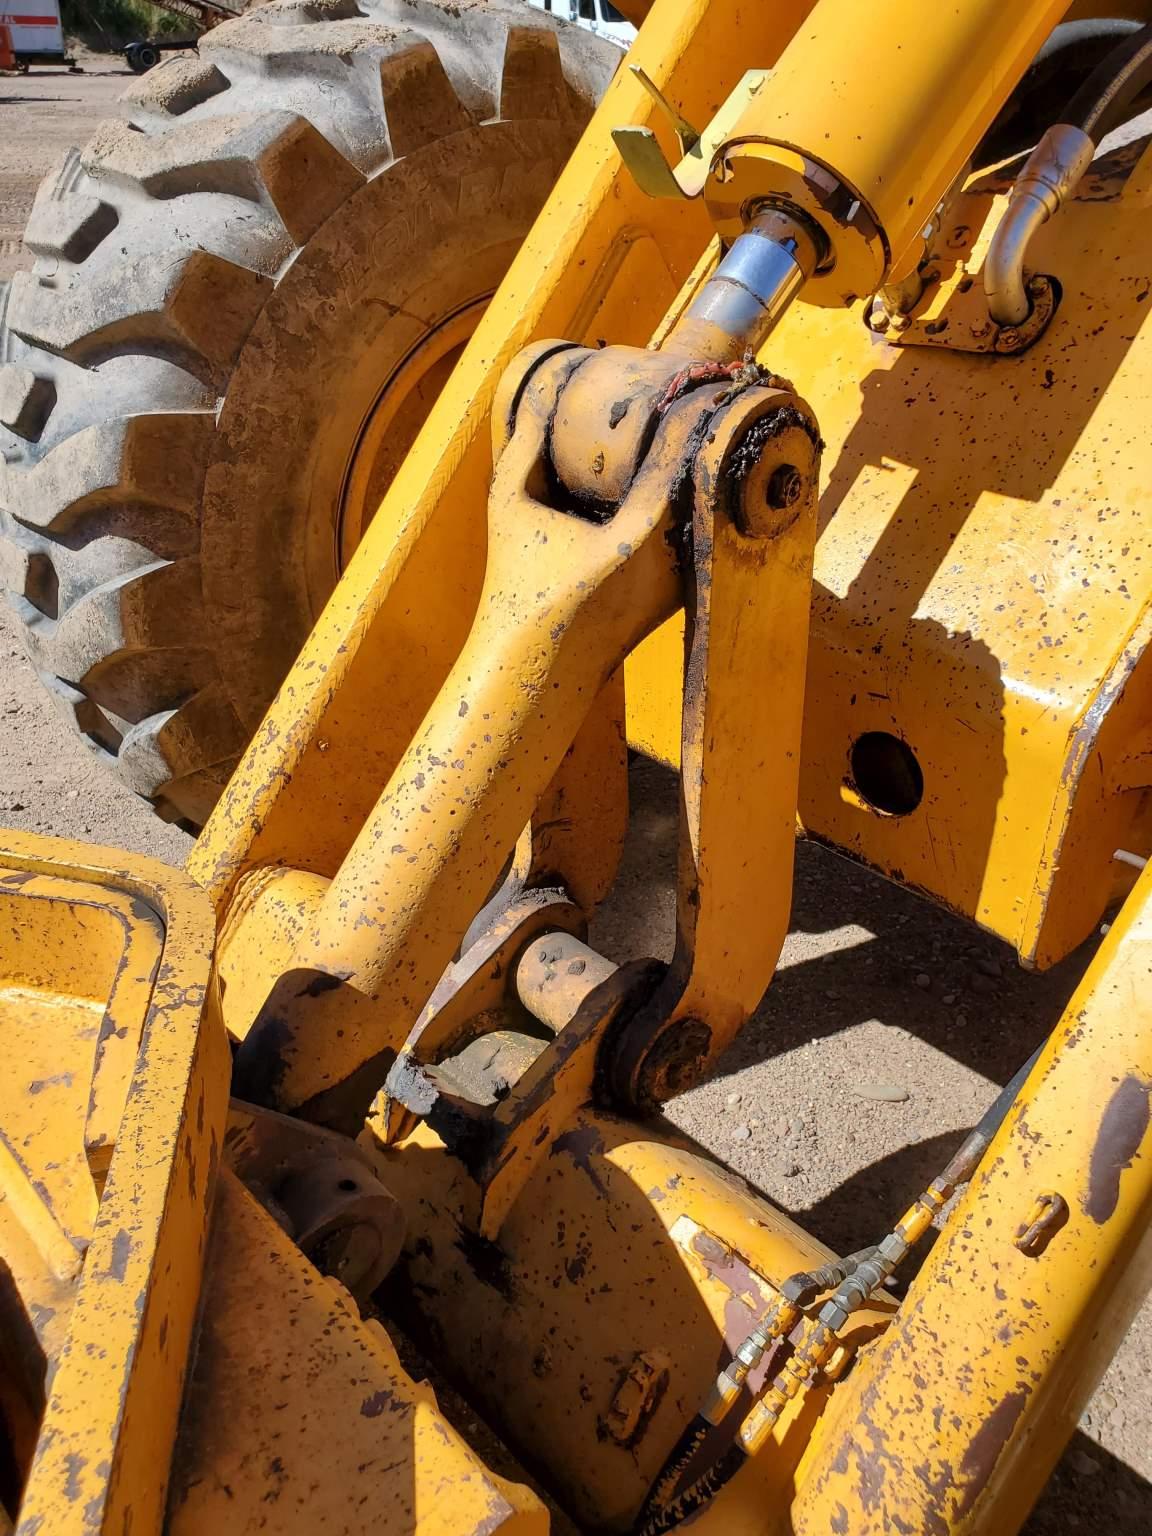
point(966, 1158)
point(1102, 102)
point(704, 1458)
point(1069, 56)
point(1055, 167)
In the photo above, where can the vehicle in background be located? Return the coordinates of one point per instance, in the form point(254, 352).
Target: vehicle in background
point(599, 16)
point(144, 53)
point(36, 35)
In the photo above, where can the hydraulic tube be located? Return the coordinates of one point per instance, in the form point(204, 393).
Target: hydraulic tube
point(853, 1280)
point(1055, 166)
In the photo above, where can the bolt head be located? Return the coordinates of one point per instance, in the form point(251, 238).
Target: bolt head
point(784, 488)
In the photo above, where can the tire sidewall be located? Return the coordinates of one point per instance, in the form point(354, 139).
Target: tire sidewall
point(431, 235)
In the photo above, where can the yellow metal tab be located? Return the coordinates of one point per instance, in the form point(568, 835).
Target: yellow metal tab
point(641, 152)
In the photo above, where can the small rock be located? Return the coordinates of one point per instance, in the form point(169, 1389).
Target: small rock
point(1082, 1463)
point(1105, 1401)
point(832, 995)
point(734, 1098)
point(948, 999)
point(780, 1129)
point(984, 985)
point(883, 1093)
point(796, 1126)
point(789, 1169)
point(988, 966)
point(961, 1021)
point(923, 981)
point(741, 1133)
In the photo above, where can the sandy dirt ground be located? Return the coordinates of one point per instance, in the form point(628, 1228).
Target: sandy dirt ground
point(875, 986)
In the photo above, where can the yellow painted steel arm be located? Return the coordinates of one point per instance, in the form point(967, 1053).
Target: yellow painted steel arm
point(566, 597)
point(603, 261)
point(115, 1389)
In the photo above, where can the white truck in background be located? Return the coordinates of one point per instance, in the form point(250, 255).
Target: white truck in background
point(599, 16)
point(35, 33)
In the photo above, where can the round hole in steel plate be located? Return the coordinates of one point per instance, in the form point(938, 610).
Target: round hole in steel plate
point(886, 774)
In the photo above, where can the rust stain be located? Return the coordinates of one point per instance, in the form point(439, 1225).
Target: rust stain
point(582, 1144)
point(377, 1403)
point(988, 1443)
point(1122, 1129)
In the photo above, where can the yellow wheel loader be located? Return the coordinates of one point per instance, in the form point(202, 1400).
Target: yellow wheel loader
point(787, 423)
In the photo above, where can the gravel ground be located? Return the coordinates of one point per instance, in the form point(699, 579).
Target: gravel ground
point(874, 986)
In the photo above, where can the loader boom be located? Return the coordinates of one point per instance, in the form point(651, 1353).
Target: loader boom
point(781, 454)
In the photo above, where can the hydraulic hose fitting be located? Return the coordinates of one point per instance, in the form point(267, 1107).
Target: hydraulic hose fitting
point(1050, 176)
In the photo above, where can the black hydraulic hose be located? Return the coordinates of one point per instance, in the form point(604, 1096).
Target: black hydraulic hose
point(679, 1490)
point(704, 1458)
point(1069, 55)
point(662, 1514)
point(967, 1156)
point(1102, 102)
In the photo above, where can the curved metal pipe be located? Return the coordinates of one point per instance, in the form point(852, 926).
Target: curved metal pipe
point(1050, 175)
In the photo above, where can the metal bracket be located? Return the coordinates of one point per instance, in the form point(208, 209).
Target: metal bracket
point(645, 160)
point(954, 316)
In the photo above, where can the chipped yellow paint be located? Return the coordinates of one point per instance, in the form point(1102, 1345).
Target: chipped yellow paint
point(982, 607)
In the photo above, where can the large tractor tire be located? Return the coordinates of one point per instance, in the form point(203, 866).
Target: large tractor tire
point(245, 298)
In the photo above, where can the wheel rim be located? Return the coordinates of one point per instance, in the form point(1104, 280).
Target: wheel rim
point(390, 427)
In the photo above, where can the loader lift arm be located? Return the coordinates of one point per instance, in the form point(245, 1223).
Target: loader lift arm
point(392, 886)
